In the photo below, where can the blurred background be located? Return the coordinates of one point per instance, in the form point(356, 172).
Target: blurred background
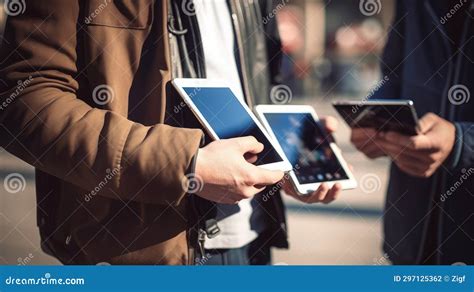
point(332, 51)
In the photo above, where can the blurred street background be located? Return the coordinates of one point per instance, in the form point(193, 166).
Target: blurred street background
point(332, 51)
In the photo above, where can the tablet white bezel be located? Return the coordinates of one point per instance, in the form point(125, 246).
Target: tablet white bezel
point(303, 189)
point(181, 83)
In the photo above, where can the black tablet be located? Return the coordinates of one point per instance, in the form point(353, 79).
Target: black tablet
point(383, 115)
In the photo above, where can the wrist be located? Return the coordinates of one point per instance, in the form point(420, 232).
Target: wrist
point(200, 160)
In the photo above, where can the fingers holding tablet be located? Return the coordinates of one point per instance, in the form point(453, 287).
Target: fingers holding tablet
point(330, 124)
point(243, 159)
point(236, 178)
point(368, 141)
point(422, 154)
point(225, 116)
point(264, 177)
point(324, 194)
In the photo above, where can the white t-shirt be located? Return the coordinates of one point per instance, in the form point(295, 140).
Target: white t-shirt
point(239, 224)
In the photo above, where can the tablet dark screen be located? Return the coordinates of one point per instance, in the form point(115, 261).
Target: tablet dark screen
point(229, 119)
point(306, 146)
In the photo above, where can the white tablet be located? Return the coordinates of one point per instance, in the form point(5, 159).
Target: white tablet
point(225, 116)
point(314, 156)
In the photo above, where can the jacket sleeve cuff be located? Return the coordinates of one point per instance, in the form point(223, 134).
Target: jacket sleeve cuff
point(191, 171)
point(455, 156)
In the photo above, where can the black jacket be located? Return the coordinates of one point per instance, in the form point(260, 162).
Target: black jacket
point(422, 64)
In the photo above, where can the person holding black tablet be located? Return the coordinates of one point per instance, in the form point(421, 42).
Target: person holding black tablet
point(428, 217)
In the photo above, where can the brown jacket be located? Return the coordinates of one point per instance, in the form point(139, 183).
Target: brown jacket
point(84, 101)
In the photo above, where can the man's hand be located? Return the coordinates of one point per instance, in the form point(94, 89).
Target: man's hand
point(225, 170)
point(323, 194)
point(367, 141)
point(423, 154)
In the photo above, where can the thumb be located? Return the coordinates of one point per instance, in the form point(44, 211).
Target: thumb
point(330, 124)
point(427, 122)
point(264, 177)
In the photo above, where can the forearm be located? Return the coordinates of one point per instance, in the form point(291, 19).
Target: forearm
point(46, 122)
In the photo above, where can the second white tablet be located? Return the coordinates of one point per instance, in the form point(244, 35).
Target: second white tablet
point(314, 157)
